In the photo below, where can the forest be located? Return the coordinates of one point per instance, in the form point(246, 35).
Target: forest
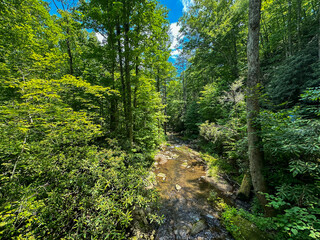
point(82, 119)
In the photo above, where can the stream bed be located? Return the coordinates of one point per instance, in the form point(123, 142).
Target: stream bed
point(184, 205)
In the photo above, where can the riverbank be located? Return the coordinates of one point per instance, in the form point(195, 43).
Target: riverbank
point(195, 203)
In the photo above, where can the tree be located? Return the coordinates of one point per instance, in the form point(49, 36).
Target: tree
point(254, 141)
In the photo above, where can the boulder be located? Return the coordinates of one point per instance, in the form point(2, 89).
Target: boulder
point(198, 227)
point(184, 165)
point(161, 175)
point(161, 158)
point(245, 188)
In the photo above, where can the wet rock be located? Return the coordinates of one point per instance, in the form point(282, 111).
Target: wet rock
point(210, 216)
point(184, 165)
point(150, 181)
point(161, 158)
point(198, 227)
point(163, 161)
point(150, 186)
point(174, 156)
point(247, 230)
point(195, 217)
point(161, 175)
point(219, 183)
point(178, 187)
point(214, 223)
point(183, 232)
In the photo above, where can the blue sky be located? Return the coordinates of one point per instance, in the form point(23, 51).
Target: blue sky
point(176, 9)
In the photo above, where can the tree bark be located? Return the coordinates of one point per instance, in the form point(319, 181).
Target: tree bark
point(114, 105)
point(254, 141)
point(127, 74)
point(158, 80)
point(69, 53)
point(299, 23)
point(289, 27)
point(123, 86)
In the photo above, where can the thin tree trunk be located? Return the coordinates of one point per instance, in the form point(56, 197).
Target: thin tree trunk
point(135, 93)
point(137, 83)
point(254, 141)
point(184, 90)
point(114, 103)
point(158, 80)
point(114, 107)
point(127, 74)
point(289, 27)
point(123, 86)
point(70, 54)
point(299, 23)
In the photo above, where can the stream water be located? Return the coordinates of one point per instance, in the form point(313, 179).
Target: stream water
point(184, 205)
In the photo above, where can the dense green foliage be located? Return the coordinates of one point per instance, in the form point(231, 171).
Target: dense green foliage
point(214, 98)
point(68, 166)
point(80, 118)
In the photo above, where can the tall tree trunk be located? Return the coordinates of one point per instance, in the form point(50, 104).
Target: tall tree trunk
point(158, 80)
point(289, 27)
point(299, 23)
point(184, 90)
point(123, 86)
point(254, 141)
point(135, 93)
point(129, 118)
point(114, 108)
point(137, 83)
point(69, 53)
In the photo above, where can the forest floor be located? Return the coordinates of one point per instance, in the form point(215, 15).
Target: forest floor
point(181, 180)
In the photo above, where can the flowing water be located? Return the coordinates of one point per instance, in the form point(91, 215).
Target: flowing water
point(186, 210)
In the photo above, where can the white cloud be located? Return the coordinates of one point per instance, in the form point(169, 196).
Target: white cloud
point(175, 53)
point(187, 4)
point(174, 35)
point(100, 37)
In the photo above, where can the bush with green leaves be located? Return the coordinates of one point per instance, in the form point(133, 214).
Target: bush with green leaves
point(210, 106)
point(55, 182)
point(287, 140)
point(291, 145)
point(229, 139)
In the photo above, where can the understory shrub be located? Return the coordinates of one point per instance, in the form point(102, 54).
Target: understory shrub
point(54, 181)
